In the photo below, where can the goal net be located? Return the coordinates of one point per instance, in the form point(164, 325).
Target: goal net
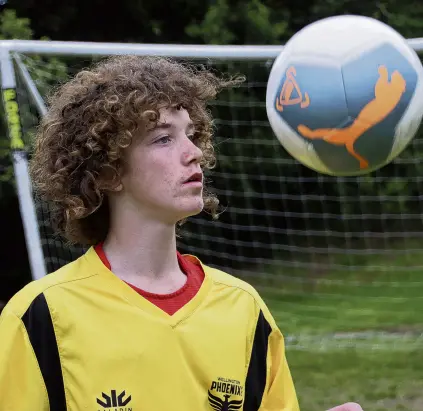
point(339, 260)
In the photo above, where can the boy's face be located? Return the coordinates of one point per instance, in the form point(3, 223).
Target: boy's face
point(157, 166)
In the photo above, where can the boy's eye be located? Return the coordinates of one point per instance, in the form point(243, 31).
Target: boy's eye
point(163, 139)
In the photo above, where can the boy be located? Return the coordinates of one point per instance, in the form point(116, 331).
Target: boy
point(134, 325)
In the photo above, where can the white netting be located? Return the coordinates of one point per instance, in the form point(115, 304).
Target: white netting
point(339, 260)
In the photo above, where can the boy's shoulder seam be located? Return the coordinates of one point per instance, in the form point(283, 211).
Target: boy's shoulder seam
point(234, 282)
point(23, 299)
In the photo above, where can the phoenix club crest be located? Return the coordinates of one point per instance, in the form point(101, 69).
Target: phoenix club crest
point(225, 404)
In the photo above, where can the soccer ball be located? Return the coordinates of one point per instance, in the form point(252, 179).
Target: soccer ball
point(345, 95)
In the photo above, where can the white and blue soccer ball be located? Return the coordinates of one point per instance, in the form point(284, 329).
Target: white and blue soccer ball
point(345, 95)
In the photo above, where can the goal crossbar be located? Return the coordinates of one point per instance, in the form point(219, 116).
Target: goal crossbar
point(193, 51)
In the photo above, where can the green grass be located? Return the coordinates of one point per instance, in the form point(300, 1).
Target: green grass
point(378, 380)
point(382, 302)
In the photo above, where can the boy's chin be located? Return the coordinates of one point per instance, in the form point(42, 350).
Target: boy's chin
point(191, 209)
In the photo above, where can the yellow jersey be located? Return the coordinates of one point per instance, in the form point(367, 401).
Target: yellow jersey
point(82, 339)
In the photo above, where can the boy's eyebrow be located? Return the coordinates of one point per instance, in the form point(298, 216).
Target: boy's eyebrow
point(161, 126)
point(164, 126)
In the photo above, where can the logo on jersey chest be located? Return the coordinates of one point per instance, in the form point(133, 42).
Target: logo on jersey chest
point(226, 394)
point(113, 401)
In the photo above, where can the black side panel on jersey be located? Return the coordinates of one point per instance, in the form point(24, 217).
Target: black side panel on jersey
point(257, 370)
point(39, 326)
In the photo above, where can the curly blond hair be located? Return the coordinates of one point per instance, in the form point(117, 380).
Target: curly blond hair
point(93, 117)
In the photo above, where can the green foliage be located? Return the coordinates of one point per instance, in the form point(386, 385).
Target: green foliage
point(13, 27)
point(214, 29)
point(47, 73)
point(240, 22)
point(406, 17)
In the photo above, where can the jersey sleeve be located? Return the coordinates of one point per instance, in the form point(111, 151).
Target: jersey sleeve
point(281, 394)
point(21, 383)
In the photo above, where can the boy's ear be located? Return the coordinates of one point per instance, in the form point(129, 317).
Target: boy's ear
point(116, 189)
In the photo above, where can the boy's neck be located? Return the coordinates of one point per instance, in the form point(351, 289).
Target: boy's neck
point(145, 256)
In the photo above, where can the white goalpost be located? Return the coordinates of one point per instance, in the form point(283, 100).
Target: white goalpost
point(321, 242)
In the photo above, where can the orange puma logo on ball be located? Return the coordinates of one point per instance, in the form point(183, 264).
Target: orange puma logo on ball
point(387, 96)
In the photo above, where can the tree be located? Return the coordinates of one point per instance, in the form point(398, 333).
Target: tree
point(240, 22)
point(132, 21)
